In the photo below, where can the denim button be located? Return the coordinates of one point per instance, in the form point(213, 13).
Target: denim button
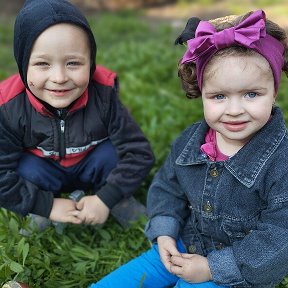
point(207, 207)
point(192, 249)
point(214, 173)
point(219, 246)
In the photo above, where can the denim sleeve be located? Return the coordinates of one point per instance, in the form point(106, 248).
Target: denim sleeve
point(167, 205)
point(260, 258)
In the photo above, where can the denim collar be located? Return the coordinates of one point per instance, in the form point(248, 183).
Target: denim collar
point(256, 152)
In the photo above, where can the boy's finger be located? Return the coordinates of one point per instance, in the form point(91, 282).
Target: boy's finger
point(74, 213)
point(80, 205)
point(75, 220)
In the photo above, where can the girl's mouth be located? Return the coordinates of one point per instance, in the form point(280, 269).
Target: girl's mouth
point(235, 126)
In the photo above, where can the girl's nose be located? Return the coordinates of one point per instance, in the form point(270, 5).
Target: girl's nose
point(234, 107)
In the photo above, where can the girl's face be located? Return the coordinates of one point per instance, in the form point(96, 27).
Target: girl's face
point(59, 65)
point(238, 94)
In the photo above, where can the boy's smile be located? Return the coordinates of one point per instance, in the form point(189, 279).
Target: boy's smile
point(238, 94)
point(59, 66)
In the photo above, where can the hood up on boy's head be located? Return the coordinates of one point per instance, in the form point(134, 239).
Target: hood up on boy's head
point(35, 17)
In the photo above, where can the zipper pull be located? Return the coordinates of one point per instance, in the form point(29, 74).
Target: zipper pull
point(62, 126)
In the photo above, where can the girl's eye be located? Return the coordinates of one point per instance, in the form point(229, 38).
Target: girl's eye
point(219, 97)
point(251, 94)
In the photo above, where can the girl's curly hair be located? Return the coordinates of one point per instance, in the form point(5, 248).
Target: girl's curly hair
point(187, 71)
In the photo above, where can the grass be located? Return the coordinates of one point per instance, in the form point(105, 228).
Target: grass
point(145, 58)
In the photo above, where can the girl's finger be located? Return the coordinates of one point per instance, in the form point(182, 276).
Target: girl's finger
point(177, 260)
point(176, 270)
point(187, 256)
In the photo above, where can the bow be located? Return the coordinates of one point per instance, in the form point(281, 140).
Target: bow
point(208, 40)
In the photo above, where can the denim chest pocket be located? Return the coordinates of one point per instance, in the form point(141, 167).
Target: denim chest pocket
point(237, 229)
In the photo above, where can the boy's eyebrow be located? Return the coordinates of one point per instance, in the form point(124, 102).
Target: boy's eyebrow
point(68, 55)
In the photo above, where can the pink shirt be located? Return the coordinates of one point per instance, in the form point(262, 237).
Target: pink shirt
point(210, 147)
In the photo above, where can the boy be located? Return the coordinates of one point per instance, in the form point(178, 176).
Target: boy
point(65, 128)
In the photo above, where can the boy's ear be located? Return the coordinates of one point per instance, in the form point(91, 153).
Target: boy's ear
point(189, 31)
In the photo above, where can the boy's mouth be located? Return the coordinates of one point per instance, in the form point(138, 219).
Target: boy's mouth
point(57, 92)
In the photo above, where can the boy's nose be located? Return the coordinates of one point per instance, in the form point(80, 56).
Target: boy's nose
point(58, 75)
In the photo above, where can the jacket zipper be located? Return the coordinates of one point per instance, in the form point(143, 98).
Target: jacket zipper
point(62, 139)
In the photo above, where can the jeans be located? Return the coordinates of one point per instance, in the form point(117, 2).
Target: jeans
point(148, 271)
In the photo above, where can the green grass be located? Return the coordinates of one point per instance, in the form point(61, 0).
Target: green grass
point(146, 59)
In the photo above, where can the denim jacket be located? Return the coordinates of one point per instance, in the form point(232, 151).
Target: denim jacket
point(233, 212)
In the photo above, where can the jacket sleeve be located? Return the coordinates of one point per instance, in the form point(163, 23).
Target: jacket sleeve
point(167, 203)
point(135, 155)
point(260, 258)
point(17, 194)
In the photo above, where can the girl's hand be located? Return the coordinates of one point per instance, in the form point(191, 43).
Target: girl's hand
point(92, 210)
point(64, 210)
point(167, 249)
point(193, 268)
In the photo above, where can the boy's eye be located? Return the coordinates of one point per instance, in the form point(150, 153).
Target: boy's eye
point(219, 97)
point(251, 94)
point(41, 64)
point(74, 63)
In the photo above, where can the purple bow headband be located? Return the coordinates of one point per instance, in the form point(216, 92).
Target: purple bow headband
point(250, 33)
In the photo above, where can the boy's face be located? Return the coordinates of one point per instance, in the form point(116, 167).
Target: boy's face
point(238, 94)
point(59, 65)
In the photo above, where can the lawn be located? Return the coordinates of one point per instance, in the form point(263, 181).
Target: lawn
point(145, 57)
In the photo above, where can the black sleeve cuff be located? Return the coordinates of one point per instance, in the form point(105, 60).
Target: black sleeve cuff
point(110, 195)
point(43, 204)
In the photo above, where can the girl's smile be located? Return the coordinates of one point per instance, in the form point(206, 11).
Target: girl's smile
point(235, 126)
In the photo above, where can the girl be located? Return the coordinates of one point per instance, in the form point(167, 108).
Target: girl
point(218, 207)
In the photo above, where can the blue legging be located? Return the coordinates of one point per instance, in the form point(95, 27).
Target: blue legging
point(147, 271)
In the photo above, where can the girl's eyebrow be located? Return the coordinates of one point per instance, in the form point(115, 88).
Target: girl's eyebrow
point(220, 91)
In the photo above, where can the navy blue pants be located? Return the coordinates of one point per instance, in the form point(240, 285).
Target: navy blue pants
point(90, 173)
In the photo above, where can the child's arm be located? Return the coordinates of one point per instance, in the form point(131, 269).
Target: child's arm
point(92, 210)
point(17, 194)
point(64, 210)
point(135, 154)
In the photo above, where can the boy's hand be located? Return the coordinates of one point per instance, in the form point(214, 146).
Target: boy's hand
point(92, 210)
point(64, 210)
point(193, 268)
point(167, 249)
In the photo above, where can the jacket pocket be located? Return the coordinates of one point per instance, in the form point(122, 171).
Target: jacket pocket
point(237, 229)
